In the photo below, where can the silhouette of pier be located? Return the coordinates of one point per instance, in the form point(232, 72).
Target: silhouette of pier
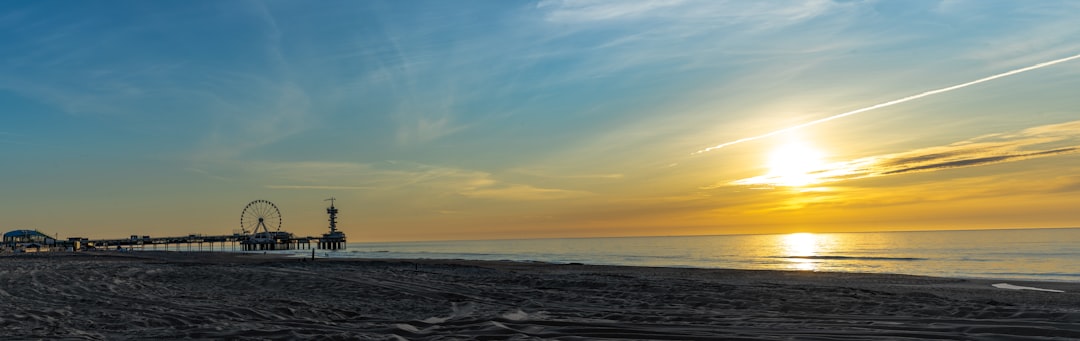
point(196, 242)
point(255, 234)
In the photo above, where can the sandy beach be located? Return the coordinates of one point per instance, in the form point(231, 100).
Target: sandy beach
point(170, 295)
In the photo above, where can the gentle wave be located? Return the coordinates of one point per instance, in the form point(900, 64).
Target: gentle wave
point(854, 258)
point(439, 253)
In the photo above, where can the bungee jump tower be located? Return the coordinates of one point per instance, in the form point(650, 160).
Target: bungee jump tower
point(333, 240)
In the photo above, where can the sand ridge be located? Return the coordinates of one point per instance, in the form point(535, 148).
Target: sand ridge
point(171, 295)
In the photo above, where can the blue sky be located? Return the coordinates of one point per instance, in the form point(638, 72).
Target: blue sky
point(501, 119)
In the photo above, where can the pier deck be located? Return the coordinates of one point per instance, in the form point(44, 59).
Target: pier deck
point(233, 242)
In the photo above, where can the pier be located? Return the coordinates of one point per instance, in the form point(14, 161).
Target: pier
point(260, 230)
point(233, 242)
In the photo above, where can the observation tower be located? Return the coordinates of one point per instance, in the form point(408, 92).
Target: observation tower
point(333, 240)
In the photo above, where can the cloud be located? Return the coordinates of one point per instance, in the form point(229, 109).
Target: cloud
point(583, 10)
point(520, 193)
point(417, 127)
point(893, 102)
point(150, 76)
point(429, 85)
point(716, 12)
point(547, 174)
point(1044, 30)
point(405, 178)
point(306, 187)
point(1068, 184)
point(278, 110)
point(614, 38)
point(1035, 142)
point(967, 161)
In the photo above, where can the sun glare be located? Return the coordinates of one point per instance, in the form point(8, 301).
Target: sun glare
point(795, 164)
point(801, 248)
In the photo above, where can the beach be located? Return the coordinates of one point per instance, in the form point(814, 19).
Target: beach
point(203, 295)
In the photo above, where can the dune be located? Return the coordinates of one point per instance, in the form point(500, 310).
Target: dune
point(195, 295)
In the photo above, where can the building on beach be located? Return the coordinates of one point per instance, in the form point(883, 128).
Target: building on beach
point(20, 237)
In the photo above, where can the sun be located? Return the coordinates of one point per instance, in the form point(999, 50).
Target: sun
point(795, 164)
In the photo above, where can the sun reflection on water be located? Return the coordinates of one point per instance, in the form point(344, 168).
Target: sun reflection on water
point(801, 250)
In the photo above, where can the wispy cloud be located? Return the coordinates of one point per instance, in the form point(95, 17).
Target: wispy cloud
point(405, 178)
point(271, 105)
point(308, 187)
point(721, 12)
point(429, 84)
point(1047, 32)
point(548, 174)
point(583, 10)
point(520, 193)
point(1035, 142)
point(893, 102)
point(961, 159)
point(146, 77)
point(280, 110)
point(417, 125)
point(608, 37)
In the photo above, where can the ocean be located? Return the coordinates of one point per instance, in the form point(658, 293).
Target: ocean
point(1028, 254)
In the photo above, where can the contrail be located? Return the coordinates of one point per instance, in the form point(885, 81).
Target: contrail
point(889, 103)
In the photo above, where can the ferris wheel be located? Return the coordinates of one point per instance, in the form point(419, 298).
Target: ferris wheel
point(260, 216)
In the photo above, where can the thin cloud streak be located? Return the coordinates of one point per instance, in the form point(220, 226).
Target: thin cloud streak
point(550, 175)
point(304, 187)
point(564, 10)
point(680, 12)
point(407, 179)
point(982, 161)
point(1054, 140)
point(521, 193)
point(890, 103)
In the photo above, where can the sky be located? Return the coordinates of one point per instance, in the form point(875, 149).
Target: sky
point(458, 120)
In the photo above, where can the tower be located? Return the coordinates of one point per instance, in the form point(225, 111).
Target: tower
point(333, 240)
point(332, 211)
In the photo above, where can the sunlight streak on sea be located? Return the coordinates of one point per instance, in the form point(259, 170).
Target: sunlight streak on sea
point(1035, 254)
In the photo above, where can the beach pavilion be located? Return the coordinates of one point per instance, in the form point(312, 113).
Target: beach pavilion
point(17, 237)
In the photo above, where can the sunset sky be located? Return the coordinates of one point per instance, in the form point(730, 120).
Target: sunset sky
point(434, 120)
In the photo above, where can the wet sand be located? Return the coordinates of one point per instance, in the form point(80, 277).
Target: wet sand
point(170, 295)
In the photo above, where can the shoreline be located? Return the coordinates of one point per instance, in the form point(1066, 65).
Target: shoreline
point(235, 256)
point(287, 255)
point(212, 295)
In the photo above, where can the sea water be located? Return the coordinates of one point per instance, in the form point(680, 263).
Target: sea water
point(1034, 254)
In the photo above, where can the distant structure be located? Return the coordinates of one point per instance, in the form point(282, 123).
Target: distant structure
point(28, 240)
point(28, 236)
point(334, 240)
point(260, 230)
point(256, 220)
